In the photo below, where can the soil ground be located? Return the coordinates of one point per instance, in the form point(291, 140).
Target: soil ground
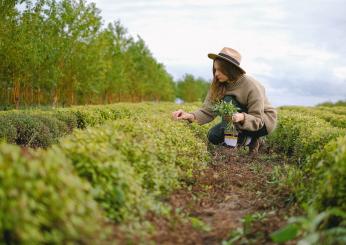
point(232, 201)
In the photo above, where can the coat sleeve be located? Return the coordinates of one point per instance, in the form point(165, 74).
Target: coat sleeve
point(254, 117)
point(205, 114)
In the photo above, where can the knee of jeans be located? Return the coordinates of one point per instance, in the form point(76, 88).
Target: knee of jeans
point(214, 138)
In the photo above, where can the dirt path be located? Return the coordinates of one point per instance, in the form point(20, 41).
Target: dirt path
point(232, 199)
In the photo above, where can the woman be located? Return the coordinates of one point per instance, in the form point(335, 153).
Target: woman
point(256, 116)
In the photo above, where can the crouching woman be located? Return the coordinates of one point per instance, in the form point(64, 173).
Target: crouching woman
point(256, 117)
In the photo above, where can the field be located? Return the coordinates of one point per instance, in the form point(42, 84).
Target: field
point(127, 173)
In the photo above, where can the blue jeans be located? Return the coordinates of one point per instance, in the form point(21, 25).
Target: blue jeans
point(216, 133)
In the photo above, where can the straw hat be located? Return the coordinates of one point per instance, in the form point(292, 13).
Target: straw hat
point(230, 55)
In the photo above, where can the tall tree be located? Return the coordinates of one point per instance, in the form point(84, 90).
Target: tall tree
point(192, 89)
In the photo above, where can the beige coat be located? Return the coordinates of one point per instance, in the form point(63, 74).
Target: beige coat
point(251, 94)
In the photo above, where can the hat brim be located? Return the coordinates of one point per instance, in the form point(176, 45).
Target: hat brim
point(213, 56)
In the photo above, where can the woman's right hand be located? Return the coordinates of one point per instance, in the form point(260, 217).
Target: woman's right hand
point(182, 115)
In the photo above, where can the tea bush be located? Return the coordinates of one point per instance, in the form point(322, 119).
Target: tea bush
point(42, 201)
point(30, 131)
point(41, 128)
point(299, 135)
point(326, 176)
point(336, 120)
point(132, 162)
point(318, 180)
point(7, 130)
point(314, 139)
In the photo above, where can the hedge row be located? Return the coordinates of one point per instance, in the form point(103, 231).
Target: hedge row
point(315, 145)
point(132, 162)
point(335, 119)
point(42, 200)
point(127, 166)
point(340, 110)
point(326, 175)
point(319, 180)
point(39, 128)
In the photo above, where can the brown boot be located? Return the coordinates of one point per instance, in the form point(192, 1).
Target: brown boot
point(254, 146)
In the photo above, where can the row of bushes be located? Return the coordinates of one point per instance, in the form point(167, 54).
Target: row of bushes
point(341, 110)
point(325, 172)
point(132, 160)
point(335, 119)
point(40, 128)
point(125, 166)
point(318, 175)
point(42, 200)
point(300, 134)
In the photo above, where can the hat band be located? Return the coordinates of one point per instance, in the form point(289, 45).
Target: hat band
point(230, 58)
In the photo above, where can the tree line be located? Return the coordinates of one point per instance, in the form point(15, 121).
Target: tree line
point(59, 52)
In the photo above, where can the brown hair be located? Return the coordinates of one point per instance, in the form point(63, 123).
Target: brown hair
point(233, 73)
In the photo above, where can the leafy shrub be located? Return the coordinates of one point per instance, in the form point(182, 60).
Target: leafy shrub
point(7, 131)
point(326, 173)
point(115, 184)
point(299, 135)
point(320, 180)
point(59, 122)
point(334, 118)
point(30, 131)
point(69, 118)
point(131, 162)
point(42, 200)
point(56, 127)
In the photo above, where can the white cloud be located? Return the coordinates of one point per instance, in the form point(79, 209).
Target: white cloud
point(340, 72)
point(288, 45)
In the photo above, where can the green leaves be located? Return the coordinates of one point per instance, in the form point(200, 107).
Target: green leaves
point(285, 234)
point(314, 139)
point(226, 109)
point(56, 52)
point(42, 200)
point(119, 170)
point(192, 89)
point(314, 228)
point(131, 162)
point(223, 108)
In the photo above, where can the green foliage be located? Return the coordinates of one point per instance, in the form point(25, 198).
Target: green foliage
point(132, 162)
point(223, 108)
point(30, 131)
point(314, 228)
point(192, 89)
point(42, 200)
point(199, 224)
point(245, 234)
point(299, 135)
point(319, 150)
point(115, 184)
point(307, 136)
point(285, 234)
point(335, 109)
point(331, 104)
point(8, 131)
point(56, 127)
point(331, 115)
point(58, 53)
point(326, 171)
point(37, 128)
point(68, 118)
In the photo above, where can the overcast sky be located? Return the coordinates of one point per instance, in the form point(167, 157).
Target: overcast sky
point(295, 48)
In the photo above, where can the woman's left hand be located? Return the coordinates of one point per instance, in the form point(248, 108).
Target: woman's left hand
point(238, 117)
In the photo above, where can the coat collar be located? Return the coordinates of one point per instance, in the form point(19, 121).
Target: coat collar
point(233, 85)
